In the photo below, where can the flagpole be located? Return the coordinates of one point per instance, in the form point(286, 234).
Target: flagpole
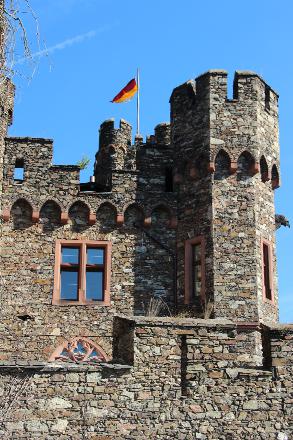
point(137, 104)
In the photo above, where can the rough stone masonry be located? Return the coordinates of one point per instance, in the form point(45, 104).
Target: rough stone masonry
point(166, 324)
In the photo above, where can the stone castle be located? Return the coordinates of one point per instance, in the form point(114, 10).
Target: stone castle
point(144, 303)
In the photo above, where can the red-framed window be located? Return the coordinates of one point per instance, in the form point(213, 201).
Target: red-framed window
point(82, 272)
point(267, 271)
point(194, 270)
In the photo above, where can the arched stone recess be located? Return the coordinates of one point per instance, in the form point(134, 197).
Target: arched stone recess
point(245, 166)
point(222, 165)
point(133, 215)
point(79, 214)
point(50, 215)
point(275, 177)
point(106, 215)
point(21, 214)
point(79, 350)
point(161, 216)
point(264, 169)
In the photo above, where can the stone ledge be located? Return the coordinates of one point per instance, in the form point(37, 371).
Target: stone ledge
point(28, 139)
point(45, 367)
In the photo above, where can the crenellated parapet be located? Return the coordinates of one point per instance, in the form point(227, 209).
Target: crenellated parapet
point(109, 135)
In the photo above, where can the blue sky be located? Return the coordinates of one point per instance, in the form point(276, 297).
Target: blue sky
point(94, 47)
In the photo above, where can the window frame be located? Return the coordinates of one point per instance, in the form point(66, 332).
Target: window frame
point(267, 243)
point(81, 294)
point(188, 266)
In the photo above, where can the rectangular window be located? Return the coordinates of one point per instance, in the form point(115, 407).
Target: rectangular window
point(194, 270)
point(82, 272)
point(267, 274)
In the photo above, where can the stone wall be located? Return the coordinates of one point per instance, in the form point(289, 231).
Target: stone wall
point(189, 379)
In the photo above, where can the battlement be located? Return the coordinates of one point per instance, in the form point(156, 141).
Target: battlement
point(248, 86)
point(109, 135)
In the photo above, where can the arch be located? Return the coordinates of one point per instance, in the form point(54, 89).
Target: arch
point(21, 213)
point(275, 177)
point(50, 215)
point(222, 165)
point(79, 214)
point(79, 350)
point(107, 215)
point(264, 169)
point(133, 215)
point(161, 216)
point(245, 165)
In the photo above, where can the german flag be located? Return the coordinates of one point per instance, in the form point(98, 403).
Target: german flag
point(126, 93)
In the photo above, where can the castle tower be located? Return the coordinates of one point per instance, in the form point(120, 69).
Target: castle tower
point(115, 155)
point(227, 160)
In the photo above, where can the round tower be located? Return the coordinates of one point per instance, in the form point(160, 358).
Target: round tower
point(227, 158)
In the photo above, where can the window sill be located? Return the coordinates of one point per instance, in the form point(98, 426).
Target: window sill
point(60, 302)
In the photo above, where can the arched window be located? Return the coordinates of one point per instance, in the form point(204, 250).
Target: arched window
point(222, 165)
point(133, 216)
point(79, 215)
point(106, 216)
point(21, 213)
point(19, 171)
point(245, 166)
point(79, 350)
point(275, 177)
point(264, 170)
point(50, 215)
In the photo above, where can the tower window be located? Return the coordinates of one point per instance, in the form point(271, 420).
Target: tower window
point(194, 270)
point(19, 171)
point(82, 272)
point(169, 179)
point(267, 271)
point(267, 97)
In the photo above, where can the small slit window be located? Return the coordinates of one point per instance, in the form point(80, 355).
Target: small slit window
point(267, 97)
point(195, 270)
point(19, 171)
point(267, 272)
point(82, 272)
point(169, 179)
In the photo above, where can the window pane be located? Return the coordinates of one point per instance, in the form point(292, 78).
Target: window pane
point(196, 269)
point(94, 285)
point(95, 256)
point(70, 255)
point(69, 285)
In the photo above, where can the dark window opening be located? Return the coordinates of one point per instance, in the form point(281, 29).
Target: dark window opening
point(267, 97)
point(196, 270)
point(169, 179)
point(19, 171)
point(266, 272)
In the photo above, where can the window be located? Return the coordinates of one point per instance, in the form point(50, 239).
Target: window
point(79, 350)
point(19, 171)
point(194, 270)
point(267, 271)
point(168, 179)
point(82, 272)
